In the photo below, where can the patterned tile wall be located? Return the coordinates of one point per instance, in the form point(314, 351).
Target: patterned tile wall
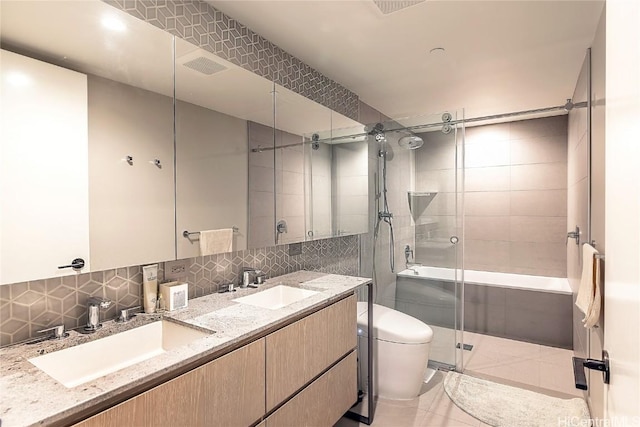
point(202, 25)
point(28, 307)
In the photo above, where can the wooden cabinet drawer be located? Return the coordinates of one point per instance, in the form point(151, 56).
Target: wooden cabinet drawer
point(324, 401)
point(228, 391)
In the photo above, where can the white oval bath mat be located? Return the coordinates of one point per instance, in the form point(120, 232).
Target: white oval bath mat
point(504, 406)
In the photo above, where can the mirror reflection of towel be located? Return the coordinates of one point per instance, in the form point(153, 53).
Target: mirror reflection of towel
point(216, 241)
point(589, 300)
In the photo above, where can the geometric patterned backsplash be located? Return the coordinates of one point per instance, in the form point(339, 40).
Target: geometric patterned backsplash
point(202, 25)
point(28, 307)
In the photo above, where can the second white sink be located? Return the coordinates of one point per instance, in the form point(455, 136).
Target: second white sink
point(85, 362)
point(276, 297)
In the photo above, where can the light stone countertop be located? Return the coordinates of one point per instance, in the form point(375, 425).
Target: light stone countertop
point(28, 396)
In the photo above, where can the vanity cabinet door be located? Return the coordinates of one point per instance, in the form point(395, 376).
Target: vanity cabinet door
point(324, 401)
point(228, 391)
point(302, 350)
point(343, 332)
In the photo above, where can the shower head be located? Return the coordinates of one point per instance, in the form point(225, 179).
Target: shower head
point(410, 142)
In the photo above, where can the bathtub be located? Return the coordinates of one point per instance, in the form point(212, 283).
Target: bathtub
point(535, 309)
point(557, 285)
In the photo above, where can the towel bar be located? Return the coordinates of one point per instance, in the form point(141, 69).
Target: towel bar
point(186, 233)
point(593, 243)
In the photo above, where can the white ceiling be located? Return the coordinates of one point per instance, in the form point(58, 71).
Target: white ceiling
point(501, 56)
point(70, 34)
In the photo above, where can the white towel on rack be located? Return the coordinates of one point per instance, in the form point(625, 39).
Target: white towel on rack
point(216, 241)
point(589, 300)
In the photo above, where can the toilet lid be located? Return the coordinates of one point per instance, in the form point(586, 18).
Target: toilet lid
point(392, 325)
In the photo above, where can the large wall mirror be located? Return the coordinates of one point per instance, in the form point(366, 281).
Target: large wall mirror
point(87, 139)
point(121, 143)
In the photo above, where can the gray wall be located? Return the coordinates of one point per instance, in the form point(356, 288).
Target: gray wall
point(399, 179)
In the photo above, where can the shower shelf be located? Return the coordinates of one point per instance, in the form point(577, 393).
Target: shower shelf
point(421, 193)
point(418, 202)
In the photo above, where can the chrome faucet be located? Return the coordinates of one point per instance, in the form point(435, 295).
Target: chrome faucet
point(408, 254)
point(57, 332)
point(94, 304)
point(251, 277)
point(127, 314)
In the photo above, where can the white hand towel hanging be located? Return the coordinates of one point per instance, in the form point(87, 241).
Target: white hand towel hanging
point(589, 299)
point(216, 241)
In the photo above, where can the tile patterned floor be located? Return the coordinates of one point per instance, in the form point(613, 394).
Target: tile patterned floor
point(535, 367)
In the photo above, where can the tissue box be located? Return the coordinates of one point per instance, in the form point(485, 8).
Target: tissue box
point(175, 295)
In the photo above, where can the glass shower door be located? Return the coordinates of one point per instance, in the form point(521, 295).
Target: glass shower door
point(430, 287)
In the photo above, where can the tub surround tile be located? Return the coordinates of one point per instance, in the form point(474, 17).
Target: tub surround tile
point(482, 134)
point(513, 172)
point(19, 379)
point(539, 326)
point(487, 154)
point(539, 255)
point(488, 179)
point(541, 149)
point(528, 316)
point(487, 228)
point(547, 126)
point(485, 318)
point(538, 229)
point(487, 252)
point(545, 203)
point(544, 176)
point(487, 203)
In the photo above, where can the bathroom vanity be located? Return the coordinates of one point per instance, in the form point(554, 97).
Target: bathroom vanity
point(294, 365)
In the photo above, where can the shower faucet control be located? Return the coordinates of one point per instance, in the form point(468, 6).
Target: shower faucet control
point(574, 235)
point(408, 254)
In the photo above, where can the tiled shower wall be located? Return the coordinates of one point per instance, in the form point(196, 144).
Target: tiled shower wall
point(28, 307)
point(515, 199)
point(399, 181)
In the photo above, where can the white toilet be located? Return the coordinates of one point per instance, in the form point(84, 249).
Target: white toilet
point(401, 352)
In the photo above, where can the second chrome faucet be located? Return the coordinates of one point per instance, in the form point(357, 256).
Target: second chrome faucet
point(94, 304)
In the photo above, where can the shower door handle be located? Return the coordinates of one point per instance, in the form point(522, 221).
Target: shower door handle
point(454, 239)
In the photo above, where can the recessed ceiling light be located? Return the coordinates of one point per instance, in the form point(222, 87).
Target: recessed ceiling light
point(18, 79)
point(437, 51)
point(113, 23)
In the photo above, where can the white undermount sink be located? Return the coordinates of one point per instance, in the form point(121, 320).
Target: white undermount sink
point(276, 297)
point(85, 362)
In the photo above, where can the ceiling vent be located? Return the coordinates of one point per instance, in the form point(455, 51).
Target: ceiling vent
point(390, 6)
point(204, 65)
